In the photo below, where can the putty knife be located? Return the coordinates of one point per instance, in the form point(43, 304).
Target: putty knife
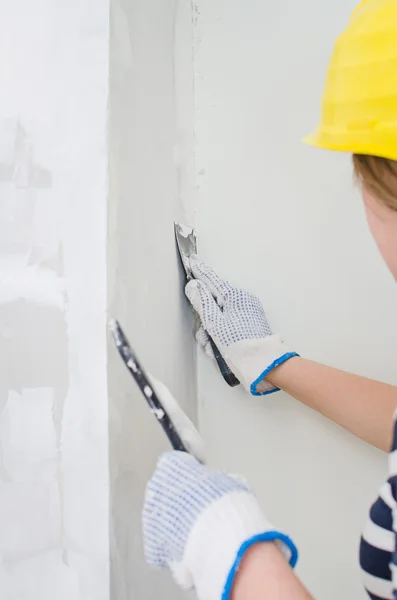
point(132, 364)
point(186, 240)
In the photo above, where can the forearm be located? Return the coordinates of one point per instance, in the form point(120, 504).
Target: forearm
point(362, 406)
point(265, 575)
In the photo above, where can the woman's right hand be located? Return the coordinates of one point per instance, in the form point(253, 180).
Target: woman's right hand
point(200, 523)
point(237, 323)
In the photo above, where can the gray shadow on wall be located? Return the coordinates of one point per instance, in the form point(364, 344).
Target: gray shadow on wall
point(144, 282)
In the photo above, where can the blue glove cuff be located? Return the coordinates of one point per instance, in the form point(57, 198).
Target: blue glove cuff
point(276, 363)
point(269, 536)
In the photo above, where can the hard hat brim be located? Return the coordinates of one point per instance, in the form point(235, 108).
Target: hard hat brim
point(384, 148)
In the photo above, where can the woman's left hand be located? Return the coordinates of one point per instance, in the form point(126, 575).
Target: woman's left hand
point(237, 323)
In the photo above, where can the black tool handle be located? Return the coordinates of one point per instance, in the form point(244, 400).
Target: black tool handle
point(131, 362)
point(227, 374)
point(186, 246)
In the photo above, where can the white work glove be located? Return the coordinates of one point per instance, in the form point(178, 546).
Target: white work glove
point(200, 522)
point(237, 323)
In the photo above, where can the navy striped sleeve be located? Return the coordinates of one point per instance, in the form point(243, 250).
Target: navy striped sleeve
point(378, 556)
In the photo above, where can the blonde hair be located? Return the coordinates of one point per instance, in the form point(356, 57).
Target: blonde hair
point(379, 176)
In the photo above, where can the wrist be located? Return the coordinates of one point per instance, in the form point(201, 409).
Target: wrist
point(262, 558)
point(280, 375)
point(253, 360)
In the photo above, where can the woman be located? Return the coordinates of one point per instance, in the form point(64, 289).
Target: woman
point(206, 526)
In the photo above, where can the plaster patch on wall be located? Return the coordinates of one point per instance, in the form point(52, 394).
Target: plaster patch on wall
point(28, 437)
point(30, 428)
point(28, 527)
point(45, 575)
point(19, 279)
point(53, 400)
point(17, 160)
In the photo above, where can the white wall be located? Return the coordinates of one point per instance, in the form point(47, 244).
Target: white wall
point(283, 221)
point(53, 401)
point(151, 103)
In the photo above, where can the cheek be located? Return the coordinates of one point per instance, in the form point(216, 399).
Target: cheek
point(384, 230)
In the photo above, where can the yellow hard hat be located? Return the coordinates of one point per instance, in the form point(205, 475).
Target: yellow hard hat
point(359, 109)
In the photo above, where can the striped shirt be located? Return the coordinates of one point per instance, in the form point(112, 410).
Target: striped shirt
point(378, 548)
